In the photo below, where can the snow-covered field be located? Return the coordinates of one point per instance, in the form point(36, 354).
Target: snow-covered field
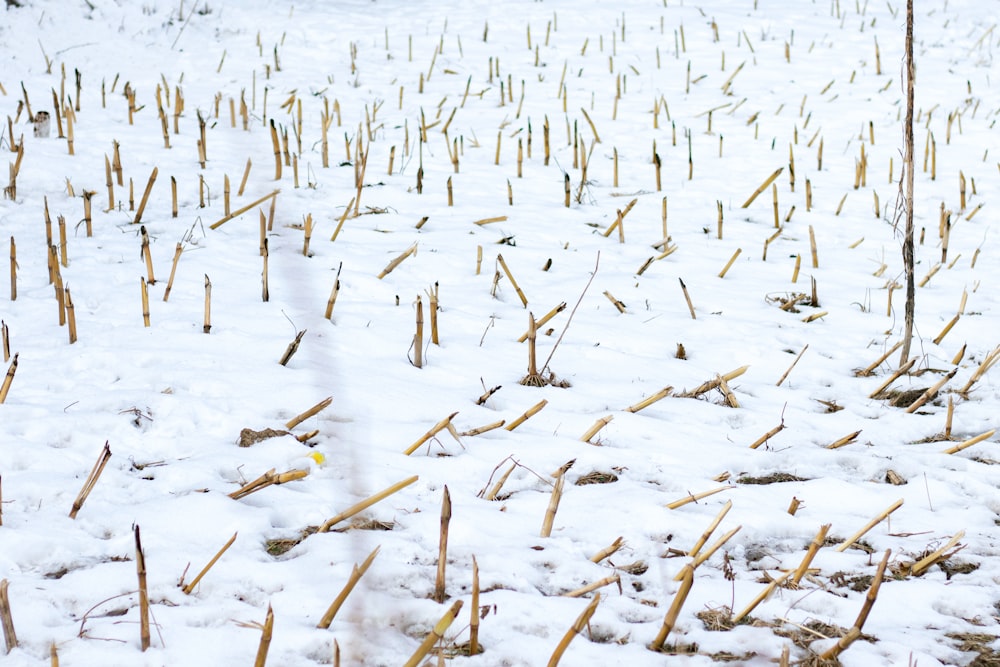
point(722, 95)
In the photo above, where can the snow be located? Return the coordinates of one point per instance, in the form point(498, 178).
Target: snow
point(171, 401)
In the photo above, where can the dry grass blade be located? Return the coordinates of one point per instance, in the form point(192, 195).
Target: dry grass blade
point(91, 480)
point(582, 621)
point(843, 546)
point(435, 635)
point(6, 620)
point(366, 503)
point(356, 573)
point(194, 582)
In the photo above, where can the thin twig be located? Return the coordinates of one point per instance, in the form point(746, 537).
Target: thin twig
point(555, 347)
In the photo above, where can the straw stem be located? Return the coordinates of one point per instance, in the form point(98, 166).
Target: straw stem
point(608, 550)
point(9, 377)
point(695, 497)
point(412, 250)
point(266, 631)
point(240, 211)
point(921, 566)
point(763, 595)
point(649, 400)
point(670, 620)
point(145, 196)
point(439, 581)
point(140, 567)
point(763, 186)
point(528, 414)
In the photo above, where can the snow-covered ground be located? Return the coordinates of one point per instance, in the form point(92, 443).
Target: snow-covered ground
point(740, 87)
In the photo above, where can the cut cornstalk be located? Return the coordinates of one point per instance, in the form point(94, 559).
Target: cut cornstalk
point(892, 378)
point(649, 400)
point(581, 624)
point(145, 196)
point(412, 250)
point(173, 270)
point(340, 222)
point(88, 484)
point(814, 546)
point(207, 325)
point(435, 635)
point(492, 495)
point(875, 364)
point(194, 582)
point(763, 186)
point(6, 619)
point(474, 610)
point(608, 550)
point(140, 567)
point(931, 392)
point(550, 511)
point(510, 277)
point(846, 440)
point(732, 260)
point(714, 383)
point(145, 300)
point(439, 581)
point(986, 364)
point(918, 568)
point(357, 572)
point(544, 319)
point(843, 546)
point(528, 414)
point(689, 568)
point(479, 430)
point(366, 503)
point(670, 620)
point(8, 378)
point(292, 348)
point(437, 428)
point(593, 430)
point(695, 497)
point(767, 436)
point(316, 409)
point(266, 631)
point(763, 595)
point(594, 585)
point(687, 298)
point(711, 529)
point(970, 442)
point(855, 632)
point(333, 293)
point(243, 209)
point(268, 479)
point(785, 375)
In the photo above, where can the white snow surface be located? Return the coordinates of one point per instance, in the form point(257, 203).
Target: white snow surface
point(171, 401)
